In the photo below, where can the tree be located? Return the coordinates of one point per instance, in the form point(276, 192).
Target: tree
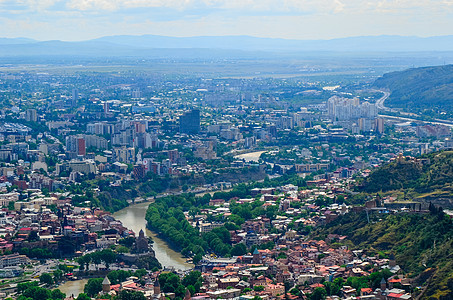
point(193, 279)
point(84, 261)
point(57, 294)
point(170, 283)
point(37, 293)
point(238, 249)
point(236, 219)
point(258, 288)
point(96, 258)
point(83, 296)
point(46, 278)
point(67, 245)
point(131, 295)
point(118, 276)
point(57, 275)
point(122, 249)
point(107, 256)
point(21, 287)
point(93, 286)
point(140, 273)
point(33, 236)
point(332, 288)
point(318, 294)
point(295, 292)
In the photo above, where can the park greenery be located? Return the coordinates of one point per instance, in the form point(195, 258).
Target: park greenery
point(31, 291)
point(106, 256)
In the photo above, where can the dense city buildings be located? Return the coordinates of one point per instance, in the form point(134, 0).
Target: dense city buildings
point(241, 176)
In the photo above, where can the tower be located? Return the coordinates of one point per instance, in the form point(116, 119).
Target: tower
point(156, 287)
point(383, 284)
point(106, 285)
point(256, 256)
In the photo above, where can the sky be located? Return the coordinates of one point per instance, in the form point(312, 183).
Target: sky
point(75, 20)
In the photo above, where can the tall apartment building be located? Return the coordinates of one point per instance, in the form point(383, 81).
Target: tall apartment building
point(189, 122)
point(74, 98)
point(380, 125)
point(124, 155)
point(75, 145)
point(100, 128)
point(31, 115)
point(97, 142)
point(344, 109)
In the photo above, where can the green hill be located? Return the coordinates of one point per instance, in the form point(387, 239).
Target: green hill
point(420, 88)
point(425, 178)
point(421, 244)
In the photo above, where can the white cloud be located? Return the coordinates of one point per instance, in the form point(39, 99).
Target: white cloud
point(304, 19)
point(246, 6)
point(272, 6)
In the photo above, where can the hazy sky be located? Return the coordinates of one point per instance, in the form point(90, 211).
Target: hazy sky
point(298, 19)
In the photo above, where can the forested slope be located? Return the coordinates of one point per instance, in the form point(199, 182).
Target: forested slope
point(432, 173)
point(426, 87)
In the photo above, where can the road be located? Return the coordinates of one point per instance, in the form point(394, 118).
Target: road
point(415, 120)
point(380, 101)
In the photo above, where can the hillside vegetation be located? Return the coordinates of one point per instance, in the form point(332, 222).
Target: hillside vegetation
point(432, 173)
point(426, 87)
point(421, 244)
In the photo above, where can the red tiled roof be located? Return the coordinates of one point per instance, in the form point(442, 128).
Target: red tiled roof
point(394, 295)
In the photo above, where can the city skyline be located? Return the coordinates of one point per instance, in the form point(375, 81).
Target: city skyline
point(82, 20)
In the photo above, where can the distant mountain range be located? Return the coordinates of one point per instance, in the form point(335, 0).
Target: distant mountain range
point(152, 45)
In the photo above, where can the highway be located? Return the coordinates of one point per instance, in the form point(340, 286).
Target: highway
point(380, 101)
point(438, 122)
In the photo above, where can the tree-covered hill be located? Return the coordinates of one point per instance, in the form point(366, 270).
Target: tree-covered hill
point(421, 244)
point(427, 175)
point(426, 87)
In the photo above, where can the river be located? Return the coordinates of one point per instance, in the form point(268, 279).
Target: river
point(133, 217)
point(73, 288)
point(250, 157)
